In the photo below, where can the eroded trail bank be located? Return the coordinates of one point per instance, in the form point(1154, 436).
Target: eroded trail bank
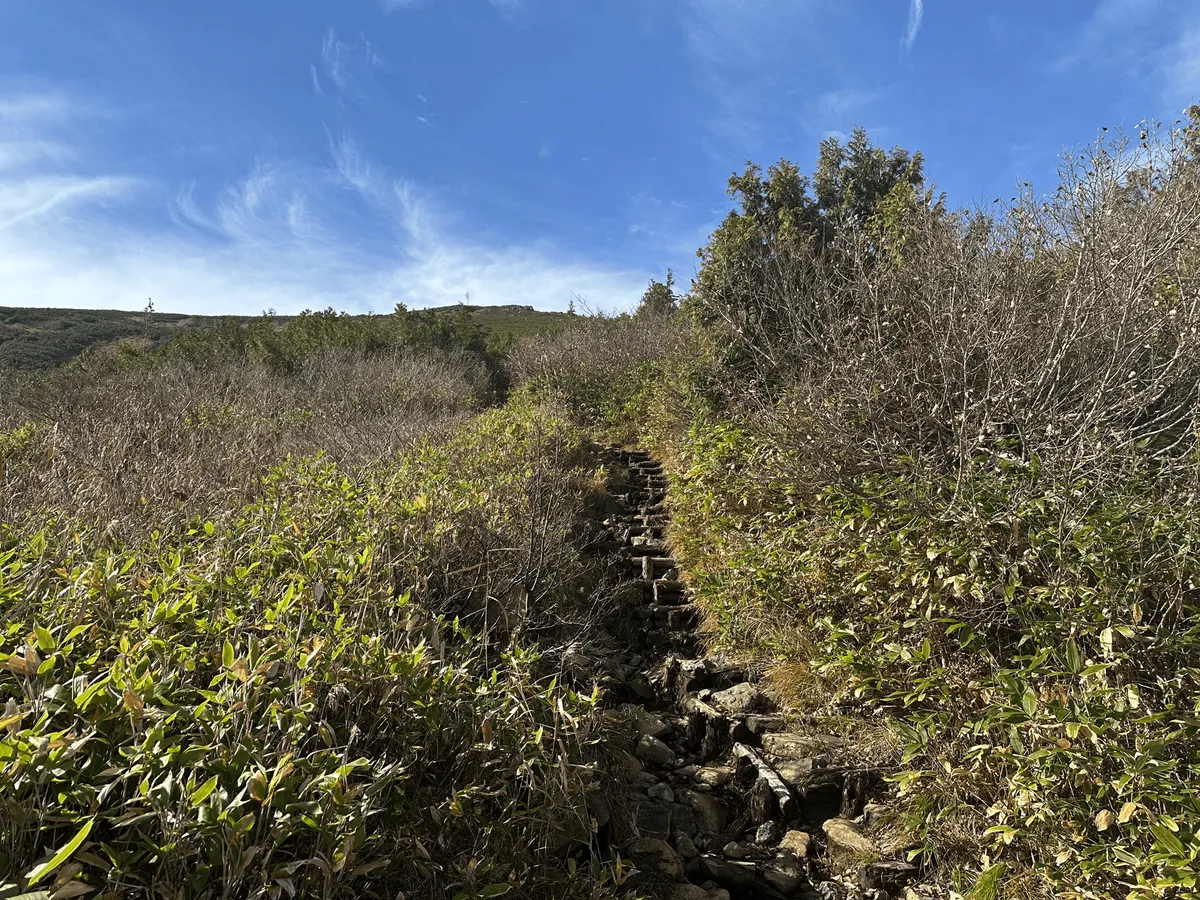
point(730, 796)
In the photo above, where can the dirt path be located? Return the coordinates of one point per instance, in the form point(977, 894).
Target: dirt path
point(728, 802)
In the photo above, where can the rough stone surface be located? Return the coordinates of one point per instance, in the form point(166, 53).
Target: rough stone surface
point(662, 792)
point(797, 842)
point(653, 725)
point(741, 878)
point(683, 819)
point(685, 845)
point(657, 854)
point(888, 876)
point(734, 850)
point(714, 776)
point(785, 872)
point(767, 833)
point(653, 819)
point(795, 772)
point(654, 751)
point(695, 892)
point(742, 699)
point(845, 835)
point(710, 814)
point(796, 746)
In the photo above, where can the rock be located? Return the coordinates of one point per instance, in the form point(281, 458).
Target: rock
point(695, 892)
point(655, 726)
point(763, 724)
point(599, 809)
point(656, 854)
point(631, 764)
point(579, 664)
point(662, 792)
point(763, 805)
point(854, 795)
point(795, 772)
point(714, 776)
point(741, 878)
point(643, 781)
point(873, 811)
point(797, 842)
point(742, 699)
point(829, 890)
point(685, 845)
point(734, 850)
point(710, 814)
point(845, 835)
point(888, 876)
point(789, 745)
point(653, 819)
point(642, 687)
point(654, 751)
point(768, 833)
point(785, 872)
point(683, 819)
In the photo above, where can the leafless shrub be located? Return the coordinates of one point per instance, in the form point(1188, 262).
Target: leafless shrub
point(148, 448)
point(1063, 326)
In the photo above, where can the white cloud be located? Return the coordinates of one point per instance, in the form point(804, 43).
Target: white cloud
point(350, 66)
point(288, 236)
point(916, 14)
point(738, 59)
point(1182, 75)
point(1151, 42)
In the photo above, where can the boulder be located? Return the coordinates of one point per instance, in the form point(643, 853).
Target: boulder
point(654, 751)
point(662, 792)
point(714, 776)
point(741, 878)
point(734, 850)
point(710, 814)
point(797, 842)
point(789, 745)
point(785, 872)
point(795, 772)
point(656, 854)
point(889, 876)
point(653, 819)
point(685, 845)
point(767, 833)
point(654, 725)
point(742, 699)
point(844, 835)
point(695, 892)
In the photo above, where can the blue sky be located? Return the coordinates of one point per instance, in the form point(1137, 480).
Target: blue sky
point(228, 157)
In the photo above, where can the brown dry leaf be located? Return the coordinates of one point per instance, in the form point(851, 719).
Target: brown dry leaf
point(19, 666)
point(71, 889)
point(1128, 811)
point(12, 717)
point(1105, 819)
point(134, 704)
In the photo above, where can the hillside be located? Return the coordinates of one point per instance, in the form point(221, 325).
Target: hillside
point(868, 568)
point(35, 338)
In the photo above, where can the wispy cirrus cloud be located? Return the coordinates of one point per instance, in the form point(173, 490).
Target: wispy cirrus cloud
point(1147, 41)
point(349, 66)
point(288, 235)
point(916, 15)
point(737, 58)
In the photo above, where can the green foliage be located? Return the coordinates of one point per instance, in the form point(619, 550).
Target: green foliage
point(307, 697)
point(1030, 637)
point(659, 300)
point(45, 338)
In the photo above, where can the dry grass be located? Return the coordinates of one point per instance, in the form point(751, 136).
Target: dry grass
point(151, 447)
